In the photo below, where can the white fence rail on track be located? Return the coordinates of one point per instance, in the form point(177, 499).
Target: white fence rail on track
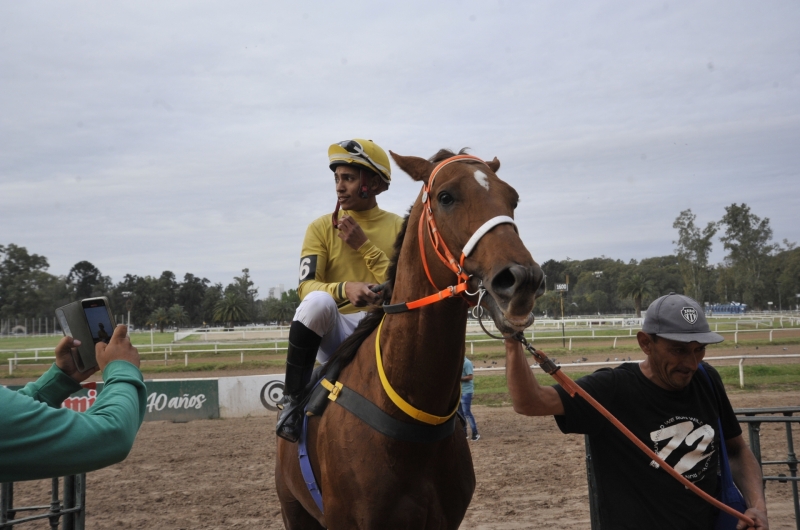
point(167, 350)
point(709, 360)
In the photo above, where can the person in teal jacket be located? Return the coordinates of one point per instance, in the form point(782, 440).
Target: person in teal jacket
point(39, 439)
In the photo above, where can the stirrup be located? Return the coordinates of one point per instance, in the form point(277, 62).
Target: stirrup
point(292, 410)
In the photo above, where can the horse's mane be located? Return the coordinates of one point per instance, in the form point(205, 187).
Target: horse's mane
point(444, 154)
point(347, 350)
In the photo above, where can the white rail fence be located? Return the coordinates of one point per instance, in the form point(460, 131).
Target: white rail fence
point(710, 360)
point(167, 350)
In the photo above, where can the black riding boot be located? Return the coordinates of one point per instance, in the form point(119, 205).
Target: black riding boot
point(303, 347)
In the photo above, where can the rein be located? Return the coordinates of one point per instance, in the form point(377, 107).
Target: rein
point(572, 388)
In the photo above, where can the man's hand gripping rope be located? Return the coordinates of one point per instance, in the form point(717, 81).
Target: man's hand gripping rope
point(572, 388)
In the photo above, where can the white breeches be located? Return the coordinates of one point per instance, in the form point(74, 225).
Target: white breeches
point(318, 312)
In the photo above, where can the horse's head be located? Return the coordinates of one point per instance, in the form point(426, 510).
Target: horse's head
point(466, 198)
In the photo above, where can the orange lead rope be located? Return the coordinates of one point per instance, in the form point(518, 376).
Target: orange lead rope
point(572, 388)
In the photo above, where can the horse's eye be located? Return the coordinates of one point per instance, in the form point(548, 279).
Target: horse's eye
point(445, 199)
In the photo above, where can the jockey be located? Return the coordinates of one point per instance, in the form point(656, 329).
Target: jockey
point(344, 255)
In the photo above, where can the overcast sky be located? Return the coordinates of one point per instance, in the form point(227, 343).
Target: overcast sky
point(192, 136)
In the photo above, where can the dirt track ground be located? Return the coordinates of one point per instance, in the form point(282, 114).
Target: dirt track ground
point(218, 474)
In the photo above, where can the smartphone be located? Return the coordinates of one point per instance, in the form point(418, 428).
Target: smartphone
point(90, 321)
point(99, 318)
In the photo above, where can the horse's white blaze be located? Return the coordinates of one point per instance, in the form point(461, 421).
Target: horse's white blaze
point(482, 179)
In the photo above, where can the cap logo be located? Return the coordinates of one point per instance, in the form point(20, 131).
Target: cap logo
point(689, 314)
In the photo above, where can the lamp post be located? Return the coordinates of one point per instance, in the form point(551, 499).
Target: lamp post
point(563, 288)
point(128, 305)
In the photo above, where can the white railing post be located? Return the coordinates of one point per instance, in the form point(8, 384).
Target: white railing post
point(570, 344)
point(736, 337)
point(242, 360)
point(471, 348)
point(186, 359)
point(10, 366)
point(741, 373)
point(615, 343)
point(770, 335)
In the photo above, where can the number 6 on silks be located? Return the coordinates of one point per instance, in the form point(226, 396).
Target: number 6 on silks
point(308, 268)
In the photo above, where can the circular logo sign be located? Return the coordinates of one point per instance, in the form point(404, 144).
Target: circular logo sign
point(272, 394)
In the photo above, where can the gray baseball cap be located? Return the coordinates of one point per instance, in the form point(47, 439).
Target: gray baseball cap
point(678, 317)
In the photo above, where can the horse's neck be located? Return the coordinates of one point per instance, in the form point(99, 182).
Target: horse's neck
point(422, 350)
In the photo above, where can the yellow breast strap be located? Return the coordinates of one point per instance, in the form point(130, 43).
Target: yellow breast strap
point(395, 397)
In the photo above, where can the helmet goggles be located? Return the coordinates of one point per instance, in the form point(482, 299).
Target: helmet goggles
point(354, 148)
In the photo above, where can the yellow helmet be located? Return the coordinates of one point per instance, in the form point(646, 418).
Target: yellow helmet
point(364, 153)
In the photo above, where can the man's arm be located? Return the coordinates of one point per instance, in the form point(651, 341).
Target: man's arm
point(61, 380)
point(747, 477)
point(39, 441)
point(375, 259)
point(527, 395)
point(314, 263)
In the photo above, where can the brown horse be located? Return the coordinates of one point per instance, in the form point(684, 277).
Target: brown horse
point(370, 480)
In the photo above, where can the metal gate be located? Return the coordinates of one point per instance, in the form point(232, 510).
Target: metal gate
point(753, 418)
point(71, 511)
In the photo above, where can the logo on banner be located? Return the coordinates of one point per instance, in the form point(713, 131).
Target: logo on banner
point(272, 394)
point(689, 314)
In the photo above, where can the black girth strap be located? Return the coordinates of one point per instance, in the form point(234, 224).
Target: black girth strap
point(373, 416)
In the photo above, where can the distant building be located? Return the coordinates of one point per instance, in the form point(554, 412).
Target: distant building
point(276, 292)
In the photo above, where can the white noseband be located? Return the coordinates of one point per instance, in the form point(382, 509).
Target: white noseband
point(483, 230)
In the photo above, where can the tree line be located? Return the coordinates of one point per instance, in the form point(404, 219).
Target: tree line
point(755, 271)
point(27, 290)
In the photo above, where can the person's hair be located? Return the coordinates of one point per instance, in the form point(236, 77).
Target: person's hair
point(653, 337)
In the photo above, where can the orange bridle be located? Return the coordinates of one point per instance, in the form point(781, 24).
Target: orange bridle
point(437, 242)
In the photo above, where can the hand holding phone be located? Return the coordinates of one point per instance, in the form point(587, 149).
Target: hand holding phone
point(119, 348)
point(90, 322)
point(65, 359)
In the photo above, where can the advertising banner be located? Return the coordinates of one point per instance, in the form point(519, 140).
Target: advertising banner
point(255, 395)
point(182, 399)
point(167, 399)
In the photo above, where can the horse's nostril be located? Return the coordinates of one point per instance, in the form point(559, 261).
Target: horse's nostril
point(503, 280)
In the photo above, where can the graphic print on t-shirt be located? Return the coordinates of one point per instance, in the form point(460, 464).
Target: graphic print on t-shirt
point(685, 443)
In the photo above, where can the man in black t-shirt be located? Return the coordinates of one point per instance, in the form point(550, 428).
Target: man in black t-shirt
point(666, 405)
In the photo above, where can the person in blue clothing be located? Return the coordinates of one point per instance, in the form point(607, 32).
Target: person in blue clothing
point(467, 389)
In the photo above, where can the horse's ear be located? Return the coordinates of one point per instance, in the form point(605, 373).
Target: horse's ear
point(494, 165)
point(417, 168)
